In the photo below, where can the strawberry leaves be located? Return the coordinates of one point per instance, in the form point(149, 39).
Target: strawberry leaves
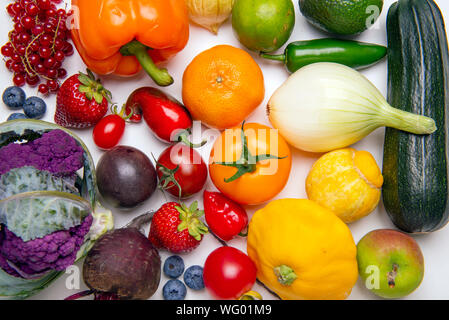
point(92, 87)
point(189, 217)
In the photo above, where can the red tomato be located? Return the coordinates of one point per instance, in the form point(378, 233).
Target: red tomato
point(181, 170)
point(229, 273)
point(225, 218)
point(108, 131)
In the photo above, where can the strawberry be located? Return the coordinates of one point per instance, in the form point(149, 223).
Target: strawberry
point(177, 228)
point(81, 101)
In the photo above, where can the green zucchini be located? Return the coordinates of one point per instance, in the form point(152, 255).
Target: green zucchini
point(415, 168)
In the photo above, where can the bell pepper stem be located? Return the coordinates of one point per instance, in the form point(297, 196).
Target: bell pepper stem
point(137, 49)
point(277, 57)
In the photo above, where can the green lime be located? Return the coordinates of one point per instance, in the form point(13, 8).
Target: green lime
point(263, 25)
point(343, 17)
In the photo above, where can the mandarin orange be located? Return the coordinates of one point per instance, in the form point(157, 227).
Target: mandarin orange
point(222, 86)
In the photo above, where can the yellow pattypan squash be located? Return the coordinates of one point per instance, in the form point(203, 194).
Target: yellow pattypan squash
point(347, 182)
point(302, 251)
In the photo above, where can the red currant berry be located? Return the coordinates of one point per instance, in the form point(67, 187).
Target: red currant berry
point(37, 30)
point(49, 28)
point(50, 13)
point(27, 22)
point(44, 4)
point(61, 13)
point(52, 20)
point(18, 67)
point(21, 49)
point(18, 27)
point(32, 80)
point(53, 85)
point(52, 73)
point(40, 68)
point(62, 73)
point(43, 88)
point(49, 62)
point(44, 52)
point(45, 40)
point(8, 64)
point(19, 80)
point(68, 49)
point(33, 59)
point(10, 9)
point(7, 51)
point(59, 56)
point(17, 8)
point(57, 65)
point(25, 38)
point(32, 9)
point(59, 44)
point(15, 57)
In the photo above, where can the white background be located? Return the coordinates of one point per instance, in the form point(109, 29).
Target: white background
point(435, 246)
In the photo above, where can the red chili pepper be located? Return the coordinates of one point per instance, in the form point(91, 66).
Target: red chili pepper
point(167, 118)
point(225, 218)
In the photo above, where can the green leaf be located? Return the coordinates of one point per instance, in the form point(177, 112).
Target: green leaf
point(32, 215)
point(18, 288)
point(84, 89)
point(193, 206)
point(89, 95)
point(98, 97)
point(28, 178)
point(85, 80)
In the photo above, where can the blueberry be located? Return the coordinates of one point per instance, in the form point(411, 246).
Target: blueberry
point(193, 277)
point(15, 116)
point(174, 290)
point(173, 267)
point(34, 107)
point(14, 98)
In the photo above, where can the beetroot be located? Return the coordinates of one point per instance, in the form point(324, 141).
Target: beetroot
point(123, 264)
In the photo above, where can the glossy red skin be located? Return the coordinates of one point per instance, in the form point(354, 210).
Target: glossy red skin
point(229, 273)
point(165, 115)
point(225, 218)
point(108, 131)
point(192, 172)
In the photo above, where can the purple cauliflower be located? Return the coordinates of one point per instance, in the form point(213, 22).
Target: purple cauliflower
point(55, 251)
point(59, 153)
point(56, 152)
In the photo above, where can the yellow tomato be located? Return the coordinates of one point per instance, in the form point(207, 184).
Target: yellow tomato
point(253, 176)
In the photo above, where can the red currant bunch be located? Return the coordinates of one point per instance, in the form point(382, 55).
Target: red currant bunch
point(38, 44)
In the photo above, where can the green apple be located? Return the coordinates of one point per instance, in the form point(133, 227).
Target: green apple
point(390, 263)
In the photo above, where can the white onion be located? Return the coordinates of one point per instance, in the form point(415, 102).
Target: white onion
point(328, 106)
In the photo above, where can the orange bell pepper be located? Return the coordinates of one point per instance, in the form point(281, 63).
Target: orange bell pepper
point(122, 36)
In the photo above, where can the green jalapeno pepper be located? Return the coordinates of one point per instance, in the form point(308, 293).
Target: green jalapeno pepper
point(354, 54)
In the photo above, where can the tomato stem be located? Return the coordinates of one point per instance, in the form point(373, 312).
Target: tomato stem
point(183, 138)
point(247, 162)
